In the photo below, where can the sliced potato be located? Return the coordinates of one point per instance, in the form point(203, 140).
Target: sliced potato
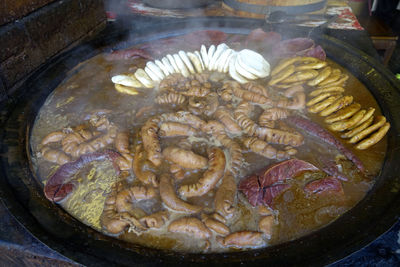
point(126, 89)
point(344, 113)
point(374, 138)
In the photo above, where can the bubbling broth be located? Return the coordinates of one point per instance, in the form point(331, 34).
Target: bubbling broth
point(207, 162)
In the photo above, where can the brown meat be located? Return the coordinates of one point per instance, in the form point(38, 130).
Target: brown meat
point(184, 158)
point(122, 142)
point(171, 200)
point(224, 201)
point(210, 178)
point(190, 226)
point(145, 176)
point(168, 129)
point(242, 239)
point(132, 194)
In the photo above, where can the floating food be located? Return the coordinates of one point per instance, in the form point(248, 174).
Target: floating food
point(221, 154)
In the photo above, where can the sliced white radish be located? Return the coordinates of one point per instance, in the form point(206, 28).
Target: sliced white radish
point(222, 60)
point(204, 55)
point(197, 53)
point(226, 66)
point(195, 61)
point(242, 71)
point(181, 65)
point(151, 74)
point(162, 67)
point(168, 65)
point(173, 63)
point(254, 63)
point(210, 55)
point(142, 77)
point(155, 69)
point(232, 71)
point(126, 80)
point(187, 62)
point(219, 50)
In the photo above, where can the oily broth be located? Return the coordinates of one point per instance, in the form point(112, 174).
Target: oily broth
point(88, 89)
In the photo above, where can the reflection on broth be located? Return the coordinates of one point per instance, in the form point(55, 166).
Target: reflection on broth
point(202, 162)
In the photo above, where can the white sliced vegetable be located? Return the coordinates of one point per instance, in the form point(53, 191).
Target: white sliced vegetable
point(168, 65)
point(187, 62)
point(181, 65)
point(142, 77)
point(173, 63)
point(162, 67)
point(232, 71)
point(254, 63)
point(155, 69)
point(126, 80)
point(226, 67)
point(196, 62)
point(222, 60)
point(210, 55)
point(218, 52)
point(242, 71)
point(151, 74)
point(204, 55)
point(197, 53)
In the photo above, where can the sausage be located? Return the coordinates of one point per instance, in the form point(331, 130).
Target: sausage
point(242, 239)
point(53, 137)
point(171, 200)
point(132, 194)
point(225, 117)
point(145, 176)
point(155, 220)
point(210, 178)
point(224, 201)
point(185, 158)
point(151, 143)
point(190, 226)
point(215, 225)
point(122, 142)
point(176, 129)
point(266, 150)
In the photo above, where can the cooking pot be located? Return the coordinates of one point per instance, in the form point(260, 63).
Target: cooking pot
point(22, 192)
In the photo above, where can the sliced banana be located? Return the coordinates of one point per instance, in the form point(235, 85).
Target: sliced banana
point(155, 69)
point(222, 60)
point(187, 62)
point(142, 77)
point(195, 61)
point(162, 67)
point(173, 63)
point(204, 56)
point(151, 74)
point(218, 52)
point(197, 53)
point(168, 65)
point(210, 55)
point(232, 71)
point(126, 80)
point(181, 65)
point(254, 63)
point(242, 70)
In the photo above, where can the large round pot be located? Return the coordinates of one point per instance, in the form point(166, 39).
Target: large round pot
point(22, 192)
